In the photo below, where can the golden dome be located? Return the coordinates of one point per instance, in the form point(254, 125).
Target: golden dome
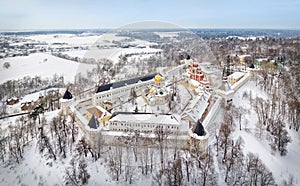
point(151, 91)
point(158, 78)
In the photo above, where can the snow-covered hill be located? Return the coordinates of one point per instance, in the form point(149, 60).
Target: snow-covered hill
point(70, 39)
point(40, 64)
point(282, 167)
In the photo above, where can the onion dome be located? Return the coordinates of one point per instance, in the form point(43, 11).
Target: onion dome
point(158, 78)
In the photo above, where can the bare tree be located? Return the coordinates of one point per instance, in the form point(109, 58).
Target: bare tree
point(77, 173)
point(44, 143)
point(71, 174)
point(161, 136)
point(225, 131)
point(74, 128)
point(258, 174)
point(83, 174)
point(115, 160)
point(238, 112)
point(3, 143)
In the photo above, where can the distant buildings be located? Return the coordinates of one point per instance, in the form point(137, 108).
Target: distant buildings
point(12, 101)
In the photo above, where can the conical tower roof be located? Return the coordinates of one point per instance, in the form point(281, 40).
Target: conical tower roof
point(67, 95)
point(199, 130)
point(93, 123)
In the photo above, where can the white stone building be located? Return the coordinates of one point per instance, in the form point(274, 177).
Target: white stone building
point(122, 91)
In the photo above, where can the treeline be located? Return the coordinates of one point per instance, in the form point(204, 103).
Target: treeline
point(238, 168)
point(282, 110)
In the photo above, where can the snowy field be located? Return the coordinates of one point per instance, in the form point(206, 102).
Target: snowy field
point(70, 39)
point(85, 39)
point(113, 53)
point(110, 37)
point(100, 46)
point(40, 64)
point(281, 166)
point(166, 34)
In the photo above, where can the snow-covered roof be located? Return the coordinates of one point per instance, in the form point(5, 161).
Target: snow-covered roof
point(244, 55)
point(119, 84)
point(261, 59)
point(67, 95)
point(95, 112)
point(145, 118)
point(199, 130)
point(241, 81)
point(236, 75)
point(196, 107)
point(194, 83)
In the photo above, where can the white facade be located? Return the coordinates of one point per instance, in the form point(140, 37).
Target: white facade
point(64, 104)
point(124, 93)
point(144, 122)
point(121, 93)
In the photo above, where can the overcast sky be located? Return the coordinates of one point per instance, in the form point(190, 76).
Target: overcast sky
point(81, 14)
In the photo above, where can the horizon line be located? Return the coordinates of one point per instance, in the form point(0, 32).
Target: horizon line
point(120, 28)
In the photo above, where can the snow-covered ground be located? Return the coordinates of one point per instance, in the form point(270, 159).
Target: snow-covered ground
point(36, 169)
point(16, 108)
point(76, 53)
point(282, 167)
point(41, 64)
point(113, 53)
point(110, 37)
point(100, 46)
point(84, 39)
point(167, 34)
point(70, 39)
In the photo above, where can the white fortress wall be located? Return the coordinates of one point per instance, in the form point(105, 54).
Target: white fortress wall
point(241, 82)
